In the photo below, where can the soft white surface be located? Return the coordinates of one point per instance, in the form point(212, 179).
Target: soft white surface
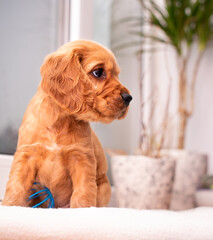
point(105, 224)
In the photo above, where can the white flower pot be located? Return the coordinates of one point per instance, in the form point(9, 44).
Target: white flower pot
point(191, 167)
point(142, 182)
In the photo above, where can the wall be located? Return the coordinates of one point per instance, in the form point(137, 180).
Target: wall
point(200, 128)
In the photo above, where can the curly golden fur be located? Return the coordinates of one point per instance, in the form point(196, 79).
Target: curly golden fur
point(56, 145)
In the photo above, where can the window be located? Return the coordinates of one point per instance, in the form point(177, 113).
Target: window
point(29, 31)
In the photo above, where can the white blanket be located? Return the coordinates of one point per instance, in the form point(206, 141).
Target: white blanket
point(105, 224)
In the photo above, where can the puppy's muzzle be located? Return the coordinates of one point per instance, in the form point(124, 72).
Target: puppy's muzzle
point(127, 98)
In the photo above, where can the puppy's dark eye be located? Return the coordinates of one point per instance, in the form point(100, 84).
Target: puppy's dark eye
point(99, 73)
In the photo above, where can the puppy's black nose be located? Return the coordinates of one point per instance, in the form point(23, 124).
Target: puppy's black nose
point(126, 97)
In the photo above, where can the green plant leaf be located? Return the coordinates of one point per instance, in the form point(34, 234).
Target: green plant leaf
point(181, 23)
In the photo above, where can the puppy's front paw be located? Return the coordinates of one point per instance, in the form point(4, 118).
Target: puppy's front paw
point(80, 200)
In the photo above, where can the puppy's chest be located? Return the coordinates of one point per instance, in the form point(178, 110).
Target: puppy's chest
point(52, 169)
point(66, 132)
point(54, 175)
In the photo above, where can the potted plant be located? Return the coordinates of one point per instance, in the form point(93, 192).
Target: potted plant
point(143, 182)
point(181, 25)
point(204, 197)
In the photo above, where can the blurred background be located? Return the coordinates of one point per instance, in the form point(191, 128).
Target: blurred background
point(32, 29)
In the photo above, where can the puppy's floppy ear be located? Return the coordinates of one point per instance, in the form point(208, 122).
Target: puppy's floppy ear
point(64, 79)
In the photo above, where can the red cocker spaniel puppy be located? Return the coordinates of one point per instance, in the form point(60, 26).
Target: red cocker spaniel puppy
point(57, 147)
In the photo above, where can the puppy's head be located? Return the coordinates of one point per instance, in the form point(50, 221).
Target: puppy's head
point(82, 77)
